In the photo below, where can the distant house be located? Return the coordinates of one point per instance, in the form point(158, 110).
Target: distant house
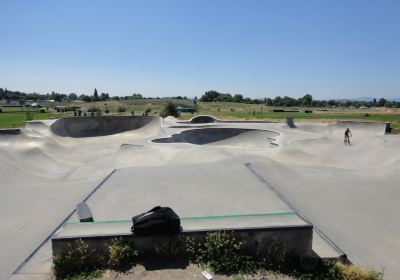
point(182, 108)
point(61, 108)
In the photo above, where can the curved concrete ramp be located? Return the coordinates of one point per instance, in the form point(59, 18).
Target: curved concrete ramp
point(252, 138)
point(98, 126)
point(372, 128)
point(203, 119)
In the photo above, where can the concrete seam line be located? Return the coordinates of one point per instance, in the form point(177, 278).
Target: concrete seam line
point(192, 218)
point(60, 225)
point(286, 201)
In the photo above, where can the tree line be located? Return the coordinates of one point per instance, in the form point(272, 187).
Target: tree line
point(10, 95)
point(286, 101)
point(209, 96)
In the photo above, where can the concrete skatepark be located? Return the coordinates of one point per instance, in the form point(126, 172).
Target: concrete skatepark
point(348, 193)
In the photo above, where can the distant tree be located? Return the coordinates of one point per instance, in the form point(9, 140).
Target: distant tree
point(56, 96)
point(224, 97)
point(137, 96)
point(268, 102)
point(238, 98)
point(84, 97)
point(195, 100)
point(248, 100)
point(210, 96)
point(374, 100)
point(95, 95)
point(169, 110)
point(2, 94)
point(306, 100)
point(277, 101)
point(104, 96)
point(332, 102)
point(289, 101)
point(72, 96)
point(382, 102)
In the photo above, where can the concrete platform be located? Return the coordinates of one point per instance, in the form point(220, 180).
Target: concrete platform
point(212, 200)
point(218, 190)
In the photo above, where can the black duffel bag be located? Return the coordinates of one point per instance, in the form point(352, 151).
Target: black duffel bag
point(157, 221)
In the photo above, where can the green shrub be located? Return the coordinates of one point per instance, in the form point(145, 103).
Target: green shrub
point(222, 253)
point(121, 109)
point(147, 112)
point(94, 110)
point(121, 254)
point(29, 115)
point(78, 260)
point(275, 257)
point(169, 110)
point(42, 110)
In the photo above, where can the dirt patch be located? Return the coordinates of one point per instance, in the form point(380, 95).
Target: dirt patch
point(139, 272)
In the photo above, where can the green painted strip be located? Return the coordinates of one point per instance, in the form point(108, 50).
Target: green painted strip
point(240, 216)
point(195, 218)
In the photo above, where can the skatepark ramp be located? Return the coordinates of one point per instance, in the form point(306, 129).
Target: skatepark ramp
point(98, 126)
point(290, 123)
point(369, 128)
point(252, 138)
point(203, 119)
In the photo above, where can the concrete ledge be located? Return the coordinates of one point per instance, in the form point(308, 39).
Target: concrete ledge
point(10, 131)
point(296, 241)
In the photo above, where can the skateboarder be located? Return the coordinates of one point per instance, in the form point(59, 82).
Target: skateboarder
point(347, 135)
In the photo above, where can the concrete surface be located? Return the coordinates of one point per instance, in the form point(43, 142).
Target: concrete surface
point(99, 126)
point(350, 193)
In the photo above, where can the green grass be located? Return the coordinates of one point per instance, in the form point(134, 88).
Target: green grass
point(15, 117)
point(11, 119)
point(253, 112)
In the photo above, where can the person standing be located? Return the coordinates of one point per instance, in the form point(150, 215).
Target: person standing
point(347, 135)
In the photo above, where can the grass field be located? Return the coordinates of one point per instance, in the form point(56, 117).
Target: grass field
point(16, 117)
point(394, 119)
point(254, 112)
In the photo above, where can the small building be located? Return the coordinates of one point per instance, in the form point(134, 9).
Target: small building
point(182, 108)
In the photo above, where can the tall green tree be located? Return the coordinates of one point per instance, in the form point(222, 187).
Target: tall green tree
point(95, 95)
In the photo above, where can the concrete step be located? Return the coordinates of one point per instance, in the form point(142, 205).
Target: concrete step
point(326, 249)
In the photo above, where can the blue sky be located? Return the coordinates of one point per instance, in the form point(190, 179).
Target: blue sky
point(259, 48)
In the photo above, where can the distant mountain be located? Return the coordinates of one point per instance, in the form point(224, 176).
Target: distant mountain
point(364, 98)
point(369, 99)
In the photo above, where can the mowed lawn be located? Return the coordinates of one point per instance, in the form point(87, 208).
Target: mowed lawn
point(12, 117)
point(394, 119)
point(257, 112)
point(18, 118)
